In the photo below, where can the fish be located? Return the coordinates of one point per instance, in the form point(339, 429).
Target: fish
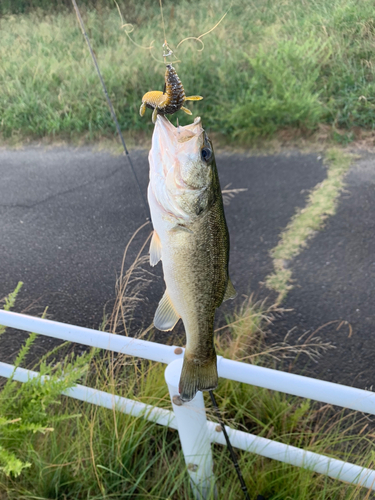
point(170, 100)
point(191, 240)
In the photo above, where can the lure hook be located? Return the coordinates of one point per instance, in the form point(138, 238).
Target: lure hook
point(167, 51)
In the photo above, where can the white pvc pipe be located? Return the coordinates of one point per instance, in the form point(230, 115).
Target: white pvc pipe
point(86, 336)
point(100, 398)
point(265, 447)
point(331, 467)
point(297, 385)
point(194, 435)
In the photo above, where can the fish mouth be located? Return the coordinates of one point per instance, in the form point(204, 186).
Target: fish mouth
point(175, 153)
point(182, 134)
point(171, 140)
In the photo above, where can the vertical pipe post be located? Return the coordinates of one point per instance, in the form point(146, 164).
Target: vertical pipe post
point(194, 436)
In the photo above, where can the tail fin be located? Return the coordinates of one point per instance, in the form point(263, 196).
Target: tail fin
point(197, 377)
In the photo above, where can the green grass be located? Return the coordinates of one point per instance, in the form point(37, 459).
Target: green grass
point(321, 204)
point(71, 450)
point(266, 67)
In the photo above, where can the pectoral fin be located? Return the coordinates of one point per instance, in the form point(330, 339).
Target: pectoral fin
point(181, 227)
point(165, 316)
point(155, 249)
point(230, 292)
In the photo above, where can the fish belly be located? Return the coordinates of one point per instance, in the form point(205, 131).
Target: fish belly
point(195, 267)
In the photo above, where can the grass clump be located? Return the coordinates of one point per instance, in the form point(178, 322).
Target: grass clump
point(266, 67)
point(321, 204)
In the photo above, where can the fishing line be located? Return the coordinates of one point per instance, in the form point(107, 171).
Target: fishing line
point(198, 38)
point(167, 51)
point(129, 28)
point(230, 447)
point(80, 20)
point(162, 20)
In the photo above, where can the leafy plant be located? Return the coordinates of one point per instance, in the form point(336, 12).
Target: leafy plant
point(29, 408)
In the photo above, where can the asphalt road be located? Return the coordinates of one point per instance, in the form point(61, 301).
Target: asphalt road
point(335, 283)
point(66, 215)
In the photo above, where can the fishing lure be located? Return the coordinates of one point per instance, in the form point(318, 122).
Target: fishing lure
point(169, 101)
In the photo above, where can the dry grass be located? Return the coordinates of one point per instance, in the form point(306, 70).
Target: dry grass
point(130, 287)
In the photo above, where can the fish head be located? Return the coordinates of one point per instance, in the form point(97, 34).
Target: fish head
point(181, 167)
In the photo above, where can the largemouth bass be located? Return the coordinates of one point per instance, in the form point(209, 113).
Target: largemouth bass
point(192, 241)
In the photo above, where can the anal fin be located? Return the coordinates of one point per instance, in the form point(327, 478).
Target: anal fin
point(165, 316)
point(155, 249)
point(230, 292)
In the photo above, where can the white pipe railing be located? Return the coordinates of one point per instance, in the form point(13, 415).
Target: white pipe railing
point(296, 385)
point(86, 336)
point(188, 417)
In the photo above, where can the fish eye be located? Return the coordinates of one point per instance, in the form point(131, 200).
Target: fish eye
point(206, 154)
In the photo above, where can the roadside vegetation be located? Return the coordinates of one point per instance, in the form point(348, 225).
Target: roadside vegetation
point(269, 66)
point(321, 204)
point(53, 447)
